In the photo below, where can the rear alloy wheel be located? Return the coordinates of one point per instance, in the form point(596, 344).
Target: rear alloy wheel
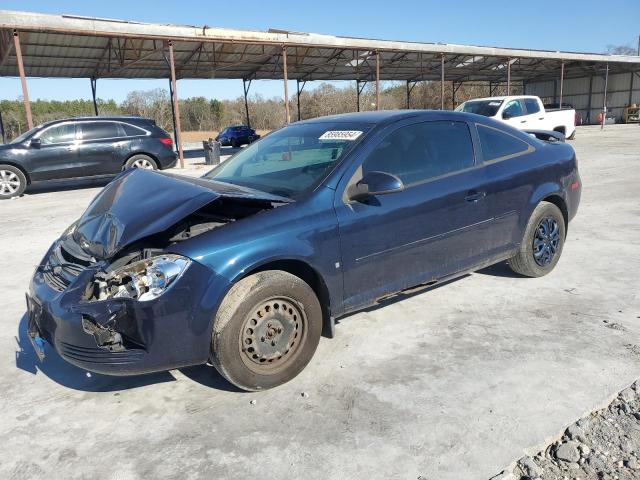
point(266, 330)
point(141, 161)
point(12, 182)
point(542, 244)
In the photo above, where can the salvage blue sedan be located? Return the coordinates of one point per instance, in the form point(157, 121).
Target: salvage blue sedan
point(246, 266)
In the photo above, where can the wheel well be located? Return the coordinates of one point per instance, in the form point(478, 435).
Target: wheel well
point(19, 167)
point(559, 202)
point(307, 273)
point(562, 130)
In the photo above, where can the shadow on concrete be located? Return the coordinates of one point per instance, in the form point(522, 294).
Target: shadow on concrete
point(501, 269)
point(208, 376)
point(63, 373)
point(64, 185)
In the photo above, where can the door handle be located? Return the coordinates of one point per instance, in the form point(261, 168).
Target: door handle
point(541, 118)
point(523, 121)
point(474, 196)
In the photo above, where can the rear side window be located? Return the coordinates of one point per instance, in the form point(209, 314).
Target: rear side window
point(131, 131)
point(497, 145)
point(64, 133)
point(422, 151)
point(98, 130)
point(532, 105)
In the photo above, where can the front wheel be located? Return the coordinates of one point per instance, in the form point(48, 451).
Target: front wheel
point(542, 244)
point(266, 330)
point(12, 182)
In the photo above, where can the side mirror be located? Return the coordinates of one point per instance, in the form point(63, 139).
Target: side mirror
point(506, 115)
point(35, 143)
point(375, 183)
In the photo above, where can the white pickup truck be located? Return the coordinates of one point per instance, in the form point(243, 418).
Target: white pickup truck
point(524, 113)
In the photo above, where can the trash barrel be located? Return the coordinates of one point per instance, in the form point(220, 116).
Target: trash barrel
point(211, 151)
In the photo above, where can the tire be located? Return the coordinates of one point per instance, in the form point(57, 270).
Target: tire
point(573, 135)
point(268, 305)
point(13, 182)
point(141, 161)
point(234, 143)
point(546, 228)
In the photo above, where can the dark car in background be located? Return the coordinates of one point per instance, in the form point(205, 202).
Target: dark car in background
point(246, 266)
point(82, 147)
point(237, 135)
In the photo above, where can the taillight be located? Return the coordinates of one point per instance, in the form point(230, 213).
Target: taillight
point(166, 141)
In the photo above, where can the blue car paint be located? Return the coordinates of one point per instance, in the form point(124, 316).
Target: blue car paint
point(359, 251)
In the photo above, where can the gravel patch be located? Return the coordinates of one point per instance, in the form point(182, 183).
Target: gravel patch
point(602, 446)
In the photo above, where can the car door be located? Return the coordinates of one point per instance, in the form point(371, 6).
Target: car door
point(508, 186)
point(434, 227)
point(535, 116)
point(515, 115)
point(53, 153)
point(102, 147)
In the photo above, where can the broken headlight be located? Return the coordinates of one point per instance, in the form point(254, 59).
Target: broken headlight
point(143, 280)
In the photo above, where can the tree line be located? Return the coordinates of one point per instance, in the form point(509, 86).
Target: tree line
point(201, 114)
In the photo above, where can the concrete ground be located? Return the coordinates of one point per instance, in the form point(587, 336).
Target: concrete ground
point(452, 383)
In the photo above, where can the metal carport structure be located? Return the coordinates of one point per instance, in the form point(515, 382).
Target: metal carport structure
point(41, 45)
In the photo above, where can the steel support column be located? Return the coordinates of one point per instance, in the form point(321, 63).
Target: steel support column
point(298, 92)
point(454, 90)
point(604, 103)
point(23, 79)
point(359, 90)
point(408, 96)
point(589, 101)
point(287, 115)
point(173, 115)
point(508, 76)
point(4, 139)
point(561, 83)
point(175, 106)
point(246, 85)
point(94, 86)
point(631, 85)
point(377, 80)
point(442, 82)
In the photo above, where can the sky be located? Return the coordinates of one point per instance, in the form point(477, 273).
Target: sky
point(569, 25)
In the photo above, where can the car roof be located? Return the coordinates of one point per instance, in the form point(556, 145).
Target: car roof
point(120, 118)
point(384, 117)
point(504, 97)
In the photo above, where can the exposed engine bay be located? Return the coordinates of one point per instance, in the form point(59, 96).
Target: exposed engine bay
point(143, 270)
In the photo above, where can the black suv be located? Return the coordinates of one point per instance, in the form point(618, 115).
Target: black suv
point(82, 147)
point(237, 135)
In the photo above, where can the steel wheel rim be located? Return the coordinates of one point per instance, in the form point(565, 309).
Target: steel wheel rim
point(272, 335)
point(9, 182)
point(142, 163)
point(546, 241)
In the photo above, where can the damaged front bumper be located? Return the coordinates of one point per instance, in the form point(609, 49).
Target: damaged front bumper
point(123, 336)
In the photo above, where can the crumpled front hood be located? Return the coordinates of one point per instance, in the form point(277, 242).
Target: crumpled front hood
point(136, 204)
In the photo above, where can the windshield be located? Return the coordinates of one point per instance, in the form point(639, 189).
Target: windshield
point(487, 108)
point(25, 135)
point(290, 161)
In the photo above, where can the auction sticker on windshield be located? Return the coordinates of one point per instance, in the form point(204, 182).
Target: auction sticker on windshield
point(340, 135)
